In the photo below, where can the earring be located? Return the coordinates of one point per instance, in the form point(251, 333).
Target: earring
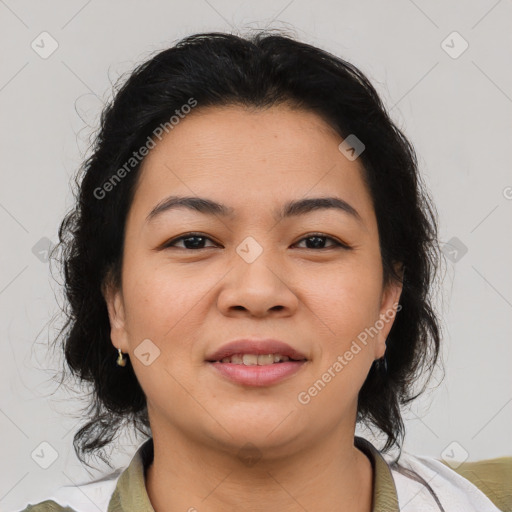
point(121, 360)
point(382, 366)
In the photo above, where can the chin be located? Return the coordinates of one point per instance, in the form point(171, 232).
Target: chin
point(265, 430)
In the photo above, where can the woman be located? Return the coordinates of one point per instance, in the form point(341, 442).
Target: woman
point(253, 241)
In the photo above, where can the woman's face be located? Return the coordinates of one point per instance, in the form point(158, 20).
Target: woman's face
point(255, 275)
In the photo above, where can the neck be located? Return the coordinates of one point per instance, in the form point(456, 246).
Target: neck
point(329, 476)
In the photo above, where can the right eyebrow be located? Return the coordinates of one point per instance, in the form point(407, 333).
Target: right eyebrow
point(197, 204)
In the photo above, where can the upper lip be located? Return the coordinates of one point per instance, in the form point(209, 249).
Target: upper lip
point(255, 346)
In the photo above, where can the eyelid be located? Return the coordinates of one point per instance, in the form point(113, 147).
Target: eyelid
point(169, 243)
point(337, 243)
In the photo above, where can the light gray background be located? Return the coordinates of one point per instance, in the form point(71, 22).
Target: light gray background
point(456, 111)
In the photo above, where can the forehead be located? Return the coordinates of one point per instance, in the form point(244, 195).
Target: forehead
point(243, 156)
point(241, 133)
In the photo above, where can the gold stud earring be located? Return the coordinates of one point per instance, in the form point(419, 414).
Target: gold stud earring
point(121, 360)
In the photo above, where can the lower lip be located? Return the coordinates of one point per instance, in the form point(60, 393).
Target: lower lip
point(257, 375)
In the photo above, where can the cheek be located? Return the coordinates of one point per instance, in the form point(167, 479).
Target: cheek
point(159, 308)
point(348, 305)
point(158, 298)
point(345, 301)
point(166, 306)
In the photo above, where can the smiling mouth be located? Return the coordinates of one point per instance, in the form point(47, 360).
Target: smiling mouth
point(257, 359)
point(257, 370)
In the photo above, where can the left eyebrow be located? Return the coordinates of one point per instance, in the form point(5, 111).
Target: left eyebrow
point(290, 209)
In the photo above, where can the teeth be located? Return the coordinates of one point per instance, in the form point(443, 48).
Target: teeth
point(265, 359)
point(250, 359)
point(253, 359)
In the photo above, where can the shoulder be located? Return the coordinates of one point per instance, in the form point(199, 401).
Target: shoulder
point(479, 486)
point(89, 497)
point(492, 476)
point(47, 506)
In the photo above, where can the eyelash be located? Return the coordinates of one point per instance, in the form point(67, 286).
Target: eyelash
point(170, 243)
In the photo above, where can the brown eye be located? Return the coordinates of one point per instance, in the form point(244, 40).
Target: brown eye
point(196, 241)
point(317, 241)
point(191, 241)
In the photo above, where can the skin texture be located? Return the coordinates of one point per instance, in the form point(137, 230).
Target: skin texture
point(189, 302)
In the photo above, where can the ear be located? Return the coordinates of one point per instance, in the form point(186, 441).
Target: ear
point(116, 312)
point(388, 309)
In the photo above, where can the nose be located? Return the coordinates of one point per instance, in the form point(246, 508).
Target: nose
point(257, 289)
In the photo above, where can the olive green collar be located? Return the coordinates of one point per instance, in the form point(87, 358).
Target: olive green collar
point(385, 497)
point(130, 494)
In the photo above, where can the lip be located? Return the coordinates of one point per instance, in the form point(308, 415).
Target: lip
point(254, 346)
point(257, 376)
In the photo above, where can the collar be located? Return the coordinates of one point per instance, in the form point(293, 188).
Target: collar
point(385, 496)
point(130, 493)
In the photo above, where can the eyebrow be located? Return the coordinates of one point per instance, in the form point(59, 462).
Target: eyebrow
point(290, 209)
